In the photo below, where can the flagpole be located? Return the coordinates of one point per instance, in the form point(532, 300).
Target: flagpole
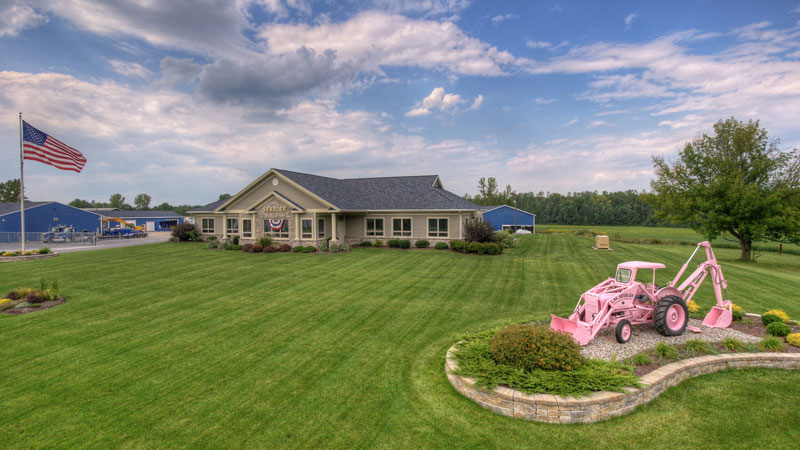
point(21, 186)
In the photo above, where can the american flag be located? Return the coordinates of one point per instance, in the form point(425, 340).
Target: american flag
point(38, 146)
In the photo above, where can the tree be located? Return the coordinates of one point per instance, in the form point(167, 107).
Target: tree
point(489, 195)
point(9, 191)
point(224, 196)
point(116, 201)
point(736, 181)
point(78, 203)
point(142, 201)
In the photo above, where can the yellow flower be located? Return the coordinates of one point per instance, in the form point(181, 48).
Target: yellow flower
point(693, 307)
point(780, 313)
point(794, 339)
point(737, 308)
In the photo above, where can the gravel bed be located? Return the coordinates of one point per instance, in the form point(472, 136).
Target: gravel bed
point(605, 345)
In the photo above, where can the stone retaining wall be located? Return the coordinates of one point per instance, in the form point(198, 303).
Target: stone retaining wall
point(26, 257)
point(604, 405)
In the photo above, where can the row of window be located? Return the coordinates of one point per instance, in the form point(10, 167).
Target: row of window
point(437, 227)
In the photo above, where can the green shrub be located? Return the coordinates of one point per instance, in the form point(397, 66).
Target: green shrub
point(779, 329)
point(771, 343)
point(527, 347)
point(477, 230)
point(394, 243)
point(234, 247)
point(309, 249)
point(504, 238)
point(767, 319)
point(265, 241)
point(422, 243)
point(441, 246)
point(378, 243)
point(404, 243)
point(185, 231)
point(284, 248)
point(247, 248)
point(641, 359)
point(737, 312)
point(366, 244)
point(752, 347)
point(665, 351)
point(333, 247)
point(23, 305)
point(492, 248)
point(344, 247)
point(732, 344)
point(697, 347)
point(794, 339)
point(235, 240)
point(458, 246)
point(213, 244)
point(269, 249)
point(473, 247)
point(44, 251)
point(297, 249)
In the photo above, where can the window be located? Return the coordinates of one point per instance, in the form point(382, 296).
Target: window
point(321, 228)
point(375, 227)
point(280, 233)
point(437, 227)
point(401, 227)
point(624, 275)
point(306, 229)
point(233, 226)
point(207, 226)
point(247, 228)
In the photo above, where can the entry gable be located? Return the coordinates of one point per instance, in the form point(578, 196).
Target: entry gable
point(273, 181)
point(276, 195)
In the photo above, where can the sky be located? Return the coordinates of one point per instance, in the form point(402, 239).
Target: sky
point(185, 100)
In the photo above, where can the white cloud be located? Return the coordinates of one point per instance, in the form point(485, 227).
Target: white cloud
point(476, 104)
point(426, 8)
point(570, 123)
point(437, 100)
point(16, 16)
point(544, 101)
point(393, 40)
point(629, 19)
point(537, 44)
point(497, 20)
point(598, 123)
point(129, 69)
point(556, 9)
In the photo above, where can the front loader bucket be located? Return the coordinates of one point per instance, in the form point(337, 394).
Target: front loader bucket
point(580, 331)
point(718, 317)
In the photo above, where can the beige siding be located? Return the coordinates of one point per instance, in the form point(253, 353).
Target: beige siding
point(284, 188)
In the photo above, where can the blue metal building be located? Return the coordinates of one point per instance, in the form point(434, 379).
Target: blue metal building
point(151, 220)
point(507, 217)
point(41, 216)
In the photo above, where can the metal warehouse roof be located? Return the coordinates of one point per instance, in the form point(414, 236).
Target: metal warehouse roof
point(12, 207)
point(134, 214)
point(486, 209)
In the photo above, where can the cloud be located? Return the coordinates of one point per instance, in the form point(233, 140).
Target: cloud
point(476, 104)
point(283, 8)
point(497, 20)
point(386, 40)
point(546, 45)
point(129, 69)
point(16, 16)
point(556, 9)
point(629, 19)
point(598, 123)
point(570, 123)
point(440, 101)
point(426, 8)
point(544, 101)
point(175, 71)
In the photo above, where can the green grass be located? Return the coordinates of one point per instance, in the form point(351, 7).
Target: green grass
point(171, 345)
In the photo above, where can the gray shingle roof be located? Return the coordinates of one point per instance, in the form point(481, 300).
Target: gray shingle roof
point(122, 214)
point(209, 207)
point(382, 193)
point(12, 207)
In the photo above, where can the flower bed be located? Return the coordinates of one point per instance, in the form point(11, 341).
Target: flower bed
point(25, 300)
point(19, 255)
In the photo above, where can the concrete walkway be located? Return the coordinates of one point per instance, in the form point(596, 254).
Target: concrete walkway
point(152, 238)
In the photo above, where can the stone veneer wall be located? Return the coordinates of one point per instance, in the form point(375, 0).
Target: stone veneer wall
point(604, 405)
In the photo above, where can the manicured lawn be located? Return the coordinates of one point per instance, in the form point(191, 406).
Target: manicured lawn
point(170, 345)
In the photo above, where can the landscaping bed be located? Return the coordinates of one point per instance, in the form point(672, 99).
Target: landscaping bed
point(27, 300)
point(19, 255)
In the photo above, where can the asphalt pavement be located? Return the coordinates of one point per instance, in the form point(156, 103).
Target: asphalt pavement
point(152, 238)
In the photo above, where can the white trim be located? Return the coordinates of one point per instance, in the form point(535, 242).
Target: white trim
point(507, 206)
point(411, 227)
point(310, 233)
point(213, 225)
point(428, 228)
point(281, 198)
point(383, 230)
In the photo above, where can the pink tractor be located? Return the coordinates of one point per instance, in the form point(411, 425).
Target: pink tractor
point(622, 302)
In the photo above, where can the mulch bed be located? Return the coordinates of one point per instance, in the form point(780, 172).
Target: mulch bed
point(43, 305)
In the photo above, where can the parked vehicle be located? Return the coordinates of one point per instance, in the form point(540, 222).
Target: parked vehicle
point(122, 229)
point(622, 302)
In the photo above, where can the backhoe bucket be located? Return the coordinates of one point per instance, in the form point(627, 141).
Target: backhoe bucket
point(718, 317)
point(580, 331)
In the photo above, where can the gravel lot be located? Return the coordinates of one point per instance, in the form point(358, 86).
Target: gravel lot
point(605, 345)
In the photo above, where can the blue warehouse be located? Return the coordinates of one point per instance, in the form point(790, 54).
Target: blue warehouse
point(506, 217)
point(41, 216)
point(150, 220)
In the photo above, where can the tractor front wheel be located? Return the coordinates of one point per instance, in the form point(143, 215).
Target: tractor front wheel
point(624, 331)
point(671, 316)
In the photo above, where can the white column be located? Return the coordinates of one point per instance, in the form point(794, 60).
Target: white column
point(333, 228)
point(224, 226)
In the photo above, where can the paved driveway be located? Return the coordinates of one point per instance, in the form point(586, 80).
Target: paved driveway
point(152, 238)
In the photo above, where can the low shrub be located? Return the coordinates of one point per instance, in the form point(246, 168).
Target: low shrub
point(211, 245)
point(297, 249)
point(493, 249)
point(458, 246)
point(23, 305)
point(185, 231)
point(473, 247)
point(665, 351)
point(265, 241)
point(365, 244)
point(378, 243)
point(779, 329)
point(767, 319)
point(28, 252)
point(697, 347)
point(780, 313)
point(441, 246)
point(737, 312)
point(504, 238)
point(309, 249)
point(693, 307)
point(6, 303)
point(236, 240)
point(732, 344)
point(527, 347)
point(234, 247)
point(248, 248)
point(422, 243)
point(269, 249)
point(477, 230)
point(44, 251)
point(793, 339)
point(284, 248)
point(394, 243)
point(771, 343)
point(641, 359)
point(333, 247)
point(404, 243)
point(344, 247)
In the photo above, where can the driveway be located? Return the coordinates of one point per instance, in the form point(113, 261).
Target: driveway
point(152, 238)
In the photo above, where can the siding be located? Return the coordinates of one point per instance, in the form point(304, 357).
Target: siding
point(284, 188)
point(505, 216)
point(40, 218)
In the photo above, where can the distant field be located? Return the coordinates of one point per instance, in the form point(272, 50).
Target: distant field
point(667, 235)
point(174, 346)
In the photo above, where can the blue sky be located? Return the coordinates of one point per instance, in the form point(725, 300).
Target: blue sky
point(185, 100)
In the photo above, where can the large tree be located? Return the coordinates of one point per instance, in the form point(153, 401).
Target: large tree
point(9, 191)
point(117, 201)
point(142, 201)
point(736, 180)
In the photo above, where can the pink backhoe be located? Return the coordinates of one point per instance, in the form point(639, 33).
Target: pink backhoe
point(622, 302)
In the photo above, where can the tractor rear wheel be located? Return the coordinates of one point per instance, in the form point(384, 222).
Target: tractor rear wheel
point(671, 316)
point(624, 331)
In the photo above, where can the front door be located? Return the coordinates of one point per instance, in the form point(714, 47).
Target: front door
point(150, 225)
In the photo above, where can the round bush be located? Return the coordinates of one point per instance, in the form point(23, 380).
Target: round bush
point(309, 249)
point(366, 244)
point(527, 347)
point(794, 339)
point(297, 249)
point(780, 313)
point(767, 319)
point(778, 329)
point(422, 243)
point(441, 246)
